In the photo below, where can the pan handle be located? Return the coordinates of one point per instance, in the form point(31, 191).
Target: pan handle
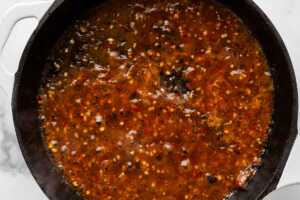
point(8, 21)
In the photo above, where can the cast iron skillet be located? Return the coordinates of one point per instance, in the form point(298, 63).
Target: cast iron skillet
point(31, 70)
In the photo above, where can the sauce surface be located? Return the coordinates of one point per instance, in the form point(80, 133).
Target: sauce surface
point(157, 100)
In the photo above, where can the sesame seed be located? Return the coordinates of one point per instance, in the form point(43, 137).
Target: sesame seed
point(168, 146)
point(224, 35)
point(185, 163)
point(99, 148)
point(72, 41)
point(110, 40)
point(99, 119)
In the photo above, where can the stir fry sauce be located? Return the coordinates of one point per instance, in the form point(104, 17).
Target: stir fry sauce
point(157, 100)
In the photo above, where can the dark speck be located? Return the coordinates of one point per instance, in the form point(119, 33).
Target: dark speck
point(175, 82)
point(158, 157)
point(134, 95)
point(211, 179)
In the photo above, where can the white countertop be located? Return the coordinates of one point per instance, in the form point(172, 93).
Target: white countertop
point(16, 183)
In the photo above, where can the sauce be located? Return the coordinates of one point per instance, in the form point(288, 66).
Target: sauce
point(157, 100)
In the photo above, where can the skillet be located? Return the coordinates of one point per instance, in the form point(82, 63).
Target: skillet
point(32, 70)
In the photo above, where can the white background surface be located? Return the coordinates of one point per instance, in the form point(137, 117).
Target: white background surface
point(16, 182)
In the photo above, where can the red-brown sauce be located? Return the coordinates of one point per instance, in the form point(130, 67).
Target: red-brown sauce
point(164, 100)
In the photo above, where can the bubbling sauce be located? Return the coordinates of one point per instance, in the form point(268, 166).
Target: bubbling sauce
point(157, 100)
